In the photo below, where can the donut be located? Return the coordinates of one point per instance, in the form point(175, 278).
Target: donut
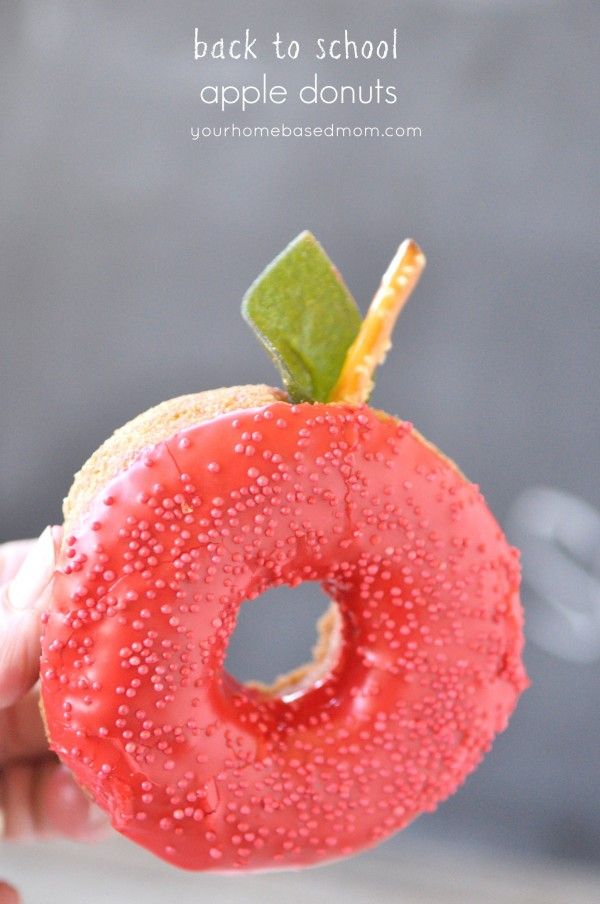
point(203, 503)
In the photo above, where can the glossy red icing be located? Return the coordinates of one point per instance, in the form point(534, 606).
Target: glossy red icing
point(204, 771)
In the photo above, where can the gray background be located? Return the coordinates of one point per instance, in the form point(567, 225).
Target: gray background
point(126, 248)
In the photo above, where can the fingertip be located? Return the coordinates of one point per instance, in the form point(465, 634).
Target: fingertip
point(12, 555)
point(9, 894)
point(16, 781)
point(19, 656)
point(63, 808)
point(27, 588)
point(21, 601)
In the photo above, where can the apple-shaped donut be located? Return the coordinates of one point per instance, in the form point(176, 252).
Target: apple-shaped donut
point(208, 500)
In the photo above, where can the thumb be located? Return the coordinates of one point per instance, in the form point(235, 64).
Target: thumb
point(21, 602)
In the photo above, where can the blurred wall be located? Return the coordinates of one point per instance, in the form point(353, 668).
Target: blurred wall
point(126, 248)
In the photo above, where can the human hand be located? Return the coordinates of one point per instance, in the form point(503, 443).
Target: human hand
point(38, 797)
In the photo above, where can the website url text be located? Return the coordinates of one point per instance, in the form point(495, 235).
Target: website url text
point(286, 131)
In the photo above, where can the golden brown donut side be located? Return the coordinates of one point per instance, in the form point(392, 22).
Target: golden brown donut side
point(149, 428)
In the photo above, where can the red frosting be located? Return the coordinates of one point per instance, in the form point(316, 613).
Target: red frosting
point(211, 774)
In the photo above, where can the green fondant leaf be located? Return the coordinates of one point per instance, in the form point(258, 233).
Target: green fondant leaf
point(305, 317)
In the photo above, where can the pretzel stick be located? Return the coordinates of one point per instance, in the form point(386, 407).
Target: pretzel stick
point(373, 342)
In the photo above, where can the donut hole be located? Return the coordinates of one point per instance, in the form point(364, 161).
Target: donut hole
point(286, 640)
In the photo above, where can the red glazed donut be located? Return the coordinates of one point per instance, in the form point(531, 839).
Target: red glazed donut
point(210, 774)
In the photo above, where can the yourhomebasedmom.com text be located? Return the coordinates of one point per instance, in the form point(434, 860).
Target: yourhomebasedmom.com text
point(297, 131)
